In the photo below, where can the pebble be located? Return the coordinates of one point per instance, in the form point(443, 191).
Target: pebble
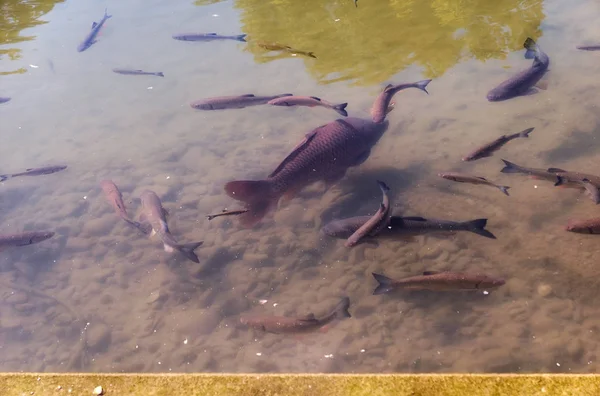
point(544, 290)
point(98, 391)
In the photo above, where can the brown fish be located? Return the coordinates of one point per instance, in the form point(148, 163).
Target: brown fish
point(488, 149)
point(233, 102)
point(437, 281)
point(285, 48)
point(24, 239)
point(381, 106)
point(309, 101)
point(376, 223)
point(556, 175)
point(226, 212)
point(463, 178)
point(114, 196)
point(289, 325)
point(590, 226)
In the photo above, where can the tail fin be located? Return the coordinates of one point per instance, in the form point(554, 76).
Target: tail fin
point(477, 226)
point(311, 54)
point(160, 74)
point(504, 189)
point(385, 284)
point(509, 167)
point(258, 196)
point(241, 37)
point(525, 133)
point(3, 178)
point(531, 47)
point(422, 85)
point(106, 14)
point(384, 187)
point(187, 250)
point(341, 310)
point(341, 109)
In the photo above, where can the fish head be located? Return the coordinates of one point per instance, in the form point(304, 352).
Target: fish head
point(201, 105)
point(40, 236)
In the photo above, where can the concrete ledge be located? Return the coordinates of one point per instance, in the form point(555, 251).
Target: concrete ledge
point(15, 384)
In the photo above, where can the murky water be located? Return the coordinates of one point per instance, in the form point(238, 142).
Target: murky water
point(100, 296)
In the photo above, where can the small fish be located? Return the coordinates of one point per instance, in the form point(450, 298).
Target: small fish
point(285, 48)
point(589, 47)
point(488, 149)
point(227, 213)
point(463, 178)
point(91, 38)
point(590, 226)
point(114, 196)
point(155, 215)
point(137, 72)
point(556, 175)
point(375, 224)
point(524, 81)
point(309, 101)
point(4, 99)
point(35, 172)
point(437, 281)
point(381, 107)
point(234, 102)
point(24, 239)
point(208, 37)
point(289, 325)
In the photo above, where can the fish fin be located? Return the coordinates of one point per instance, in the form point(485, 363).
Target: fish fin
point(477, 226)
point(106, 14)
point(559, 181)
point(284, 95)
point(429, 273)
point(247, 96)
point(307, 139)
point(241, 37)
point(160, 74)
point(94, 24)
point(387, 87)
point(412, 218)
point(341, 310)
point(187, 249)
point(390, 108)
point(152, 232)
point(258, 196)
point(422, 85)
point(383, 186)
point(525, 133)
point(509, 167)
point(397, 221)
point(385, 284)
point(555, 170)
point(29, 169)
point(311, 54)
point(542, 84)
point(3, 178)
point(341, 109)
point(324, 329)
point(211, 34)
point(585, 180)
point(315, 98)
point(504, 189)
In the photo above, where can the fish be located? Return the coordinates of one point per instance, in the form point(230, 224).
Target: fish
point(556, 175)
point(591, 189)
point(381, 107)
point(208, 37)
point(595, 47)
point(437, 281)
point(488, 149)
point(35, 172)
point(325, 154)
point(4, 99)
point(376, 223)
point(155, 215)
point(309, 101)
point(115, 198)
point(285, 48)
point(91, 37)
point(234, 102)
point(464, 178)
point(24, 239)
point(522, 82)
point(399, 226)
point(137, 72)
point(590, 226)
point(227, 213)
point(290, 325)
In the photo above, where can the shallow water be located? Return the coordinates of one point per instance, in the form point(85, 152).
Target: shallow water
point(100, 296)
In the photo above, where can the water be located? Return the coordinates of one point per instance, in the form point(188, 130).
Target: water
point(101, 297)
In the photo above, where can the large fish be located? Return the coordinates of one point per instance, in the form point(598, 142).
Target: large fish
point(464, 178)
point(310, 101)
point(35, 172)
point(524, 81)
point(137, 72)
point(381, 106)
point(208, 37)
point(24, 239)
point(375, 224)
point(488, 149)
point(91, 37)
point(289, 325)
point(155, 215)
point(590, 226)
point(406, 226)
point(115, 198)
point(234, 102)
point(556, 175)
point(437, 281)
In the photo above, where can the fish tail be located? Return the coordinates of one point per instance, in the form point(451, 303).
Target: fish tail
point(504, 189)
point(241, 37)
point(3, 178)
point(509, 167)
point(422, 85)
point(341, 109)
point(525, 133)
point(312, 55)
point(341, 310)
point(160, 74)
point(258, 196)
point(385, 284)
point(477, 226)
point(384, 187)
point(106, 14)
point(531, 47)
point(187, 249)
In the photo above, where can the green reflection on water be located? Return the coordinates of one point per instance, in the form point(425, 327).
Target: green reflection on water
point(371, 43)
point(16, 15)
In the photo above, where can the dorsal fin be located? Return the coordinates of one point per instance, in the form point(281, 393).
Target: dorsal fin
point(94, 24)
point(309, 137)
point(387, 87)
point(315, 98)
point(29, 169)
point(428, 273)
point(552, 170)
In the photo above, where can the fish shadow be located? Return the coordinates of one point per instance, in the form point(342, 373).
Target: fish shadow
point(16, 196)
point(575, 145)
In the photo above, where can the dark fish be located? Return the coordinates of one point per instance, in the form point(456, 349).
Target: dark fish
point(285, 48)
point(227, 213)
point(488, 149)
point(525, 80)
point(437, 281)
point(35, 172)
point(137, 72)
point(24, 239)
point(381, 107)
point(155, 215)
point(375, 224)
point(590, 226)
point(208, 37)
point(589, 47)
point(556, 175)
point(115, 198)
point(309, 101)
point(4, 99)
point(91, 38)
point(463, 178)
point(325, 154)
point(406, 226)
point(288, 325)
point(234, 102)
